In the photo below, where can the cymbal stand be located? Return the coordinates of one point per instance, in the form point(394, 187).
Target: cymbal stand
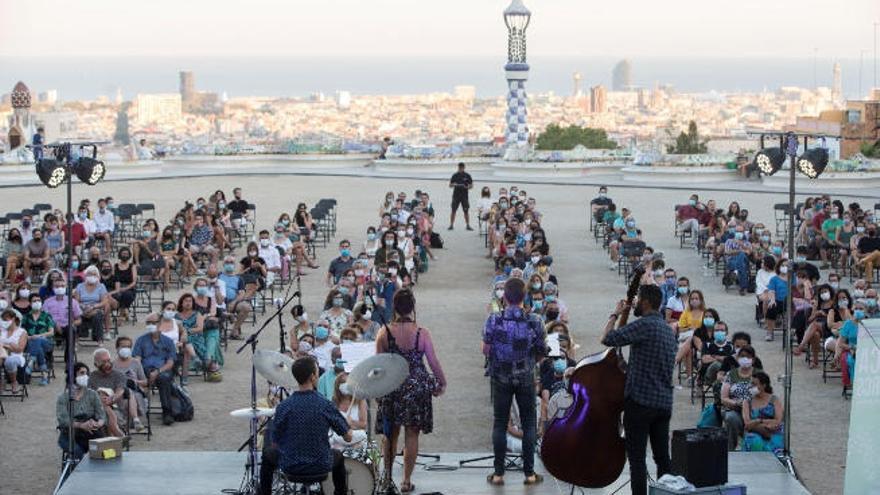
point(250, 482)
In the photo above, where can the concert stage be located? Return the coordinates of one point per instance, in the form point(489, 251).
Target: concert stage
point(203, 473)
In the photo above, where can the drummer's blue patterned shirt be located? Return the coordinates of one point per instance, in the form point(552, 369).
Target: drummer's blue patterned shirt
point(301, 424)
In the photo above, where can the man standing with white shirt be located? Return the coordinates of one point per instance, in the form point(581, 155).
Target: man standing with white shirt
point(104, 225)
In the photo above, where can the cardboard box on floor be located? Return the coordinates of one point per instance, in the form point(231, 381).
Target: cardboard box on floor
point(105, 448)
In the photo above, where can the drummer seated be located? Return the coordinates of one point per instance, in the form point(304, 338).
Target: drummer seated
point(300, 448)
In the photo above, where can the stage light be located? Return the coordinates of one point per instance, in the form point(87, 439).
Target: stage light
point(89, 170)
point(770, 160)
point(51, 172)
point(813, 162)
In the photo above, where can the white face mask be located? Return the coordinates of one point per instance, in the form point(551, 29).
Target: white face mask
point(825, 296)
point(168, 314)
point(392, 271)
point(783, 270)
point(82, 381)
point(304, 317)
point(368, 315)
point(36, 305)
point(264, 242)
point(499, 293)
point(5, 324)
point(24, 293)
point(92, 279)
point(754, 391)
point(3, 304)
point(60, 291)
point(125, 352)
point(744, 362)
point(152, 328)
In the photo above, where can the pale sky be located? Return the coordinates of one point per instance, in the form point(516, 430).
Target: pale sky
point(789, 28)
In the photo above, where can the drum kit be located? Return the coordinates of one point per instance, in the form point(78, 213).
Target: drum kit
point(374, 377)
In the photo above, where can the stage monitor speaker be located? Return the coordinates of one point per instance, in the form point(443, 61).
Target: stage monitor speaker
point(700, 455)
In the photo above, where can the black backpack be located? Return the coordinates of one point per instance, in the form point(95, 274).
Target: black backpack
point(436, 241)
point(181, 405)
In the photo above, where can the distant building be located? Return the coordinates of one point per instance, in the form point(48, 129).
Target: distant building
point(58, 125)
point(576, 92)
point(621, 76)
point(644, 99)
point(164, 108)
point(343, 99)
point(856, 124)
point(21, 122)
point(837, 84)
point(50, 97)
point(187, 86)
point(465, 93)
point(598, 99)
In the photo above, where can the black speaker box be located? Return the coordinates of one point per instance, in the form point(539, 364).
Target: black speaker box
point(700, 455)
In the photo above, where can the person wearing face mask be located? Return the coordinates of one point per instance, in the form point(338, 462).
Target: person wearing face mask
point(714, 353)
point(847, 344)
point(736, 390)
point(829, 231)
point(40, 328)
point(738, 249)
point(354, 411)
point(323, 346)
point(198, 315)
point(390, 248)
point(774, 298)
point(104, 225)
point(869, 250)
point(552, 371)
point(136, 382)
point(289, 437)
point(88, 418)
point(21, 300)
point(327, 381)
point(253, 267)
point(817, 320)
point(764, 413)
point(871, 304)
point(677, 302)
point(157, 353)
point(95, 301)
point(688, 215)
point(689, 324)
point(343, 263)
point(300, 328)
point(269, 253)
point(371, 245)
point(336, 314)
point(56, 306)
point(124, 276)
point(105, 377)
point(648, 391)
point(14, 340)
point(13, 253)
point(237, 296)
point(363, 321)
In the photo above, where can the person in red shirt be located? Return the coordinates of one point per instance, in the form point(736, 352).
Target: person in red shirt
point(688, 215)
point(78, 235)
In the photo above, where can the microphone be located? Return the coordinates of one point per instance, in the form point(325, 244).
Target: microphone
point(278, 302)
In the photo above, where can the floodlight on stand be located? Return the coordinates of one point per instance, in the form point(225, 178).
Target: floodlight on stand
point(813, 162)
point(770, 160)
point(51, 172)
point(89, 170)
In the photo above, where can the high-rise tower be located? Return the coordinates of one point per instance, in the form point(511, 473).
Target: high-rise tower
point(621, 77)
point(516, 18)
point(576, 93)
point(187, 87)
point(836, 84)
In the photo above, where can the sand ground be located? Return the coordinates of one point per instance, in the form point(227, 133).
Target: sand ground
point(451, 302)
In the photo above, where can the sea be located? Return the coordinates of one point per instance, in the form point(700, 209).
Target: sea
point(87, 77)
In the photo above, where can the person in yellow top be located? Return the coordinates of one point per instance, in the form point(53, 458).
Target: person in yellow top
point(690, 320)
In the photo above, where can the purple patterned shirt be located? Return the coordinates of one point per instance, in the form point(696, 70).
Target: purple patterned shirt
point(516, 341)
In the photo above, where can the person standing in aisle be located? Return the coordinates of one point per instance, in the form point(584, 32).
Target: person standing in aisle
point(461, 182)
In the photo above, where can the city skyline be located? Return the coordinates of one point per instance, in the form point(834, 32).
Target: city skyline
point(345, 27)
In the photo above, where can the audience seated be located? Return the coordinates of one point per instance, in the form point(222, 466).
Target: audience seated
point(89, 419)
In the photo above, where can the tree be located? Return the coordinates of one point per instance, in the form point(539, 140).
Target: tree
point(121, 135)
point(555, 137)
point(688, 143)
point(871, 150)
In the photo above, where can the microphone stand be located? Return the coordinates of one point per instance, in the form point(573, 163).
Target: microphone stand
point(282, 347)
point(249, 483)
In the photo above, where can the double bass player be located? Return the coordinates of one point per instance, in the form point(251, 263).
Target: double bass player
point(648, 390)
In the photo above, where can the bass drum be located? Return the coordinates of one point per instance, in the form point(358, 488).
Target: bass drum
point(361, 478)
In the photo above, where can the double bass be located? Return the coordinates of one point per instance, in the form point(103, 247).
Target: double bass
point(582, 445)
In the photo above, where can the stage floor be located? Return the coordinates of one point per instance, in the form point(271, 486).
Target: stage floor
point(203, 473)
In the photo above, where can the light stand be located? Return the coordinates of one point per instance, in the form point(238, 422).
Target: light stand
point(64, 167)
point(789, 142)
point(250, 484)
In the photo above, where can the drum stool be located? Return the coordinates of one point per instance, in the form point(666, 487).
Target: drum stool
point(300, 485)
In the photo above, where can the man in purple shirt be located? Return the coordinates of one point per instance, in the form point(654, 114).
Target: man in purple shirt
point(737, 250)
point(56, 306)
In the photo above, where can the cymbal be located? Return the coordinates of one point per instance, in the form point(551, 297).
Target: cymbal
point(275, 367)
point(377, 376)
point(247, 412)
